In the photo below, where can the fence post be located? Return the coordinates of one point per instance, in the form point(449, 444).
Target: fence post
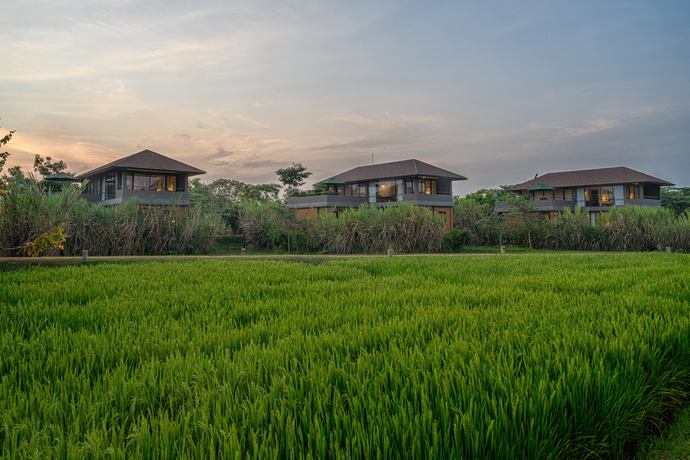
point(390, 252)
point(242, 251)
point(668, 249)
point(503, 249)
point(84, 256)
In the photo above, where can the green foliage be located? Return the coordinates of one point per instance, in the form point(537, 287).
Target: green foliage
point(477, 214)
point(676, 199)
point(271, 225)
point(293, 176)
point(134, 229)
point(27, 211)
point(47, 166)
point(223, 198)
point(492, 357)
point(371, 229)
point(629, 228)
point(29, 216)
point(4, 140)
point(456, 239)
point(50, 242)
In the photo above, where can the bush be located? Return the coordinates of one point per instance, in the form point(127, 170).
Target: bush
point(456, 239)
point(272, 225)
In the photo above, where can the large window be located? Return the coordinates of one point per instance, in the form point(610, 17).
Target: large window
point(427, 186)
point(387, 191)
point(421, 185)
point(599, 196)
point(153, 182)
point(652, 191)
point(359, 190)
point(634, 192)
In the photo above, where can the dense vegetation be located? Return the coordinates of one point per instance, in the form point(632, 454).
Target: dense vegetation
point(621, 229)
point(482, 357)
point(35, 221)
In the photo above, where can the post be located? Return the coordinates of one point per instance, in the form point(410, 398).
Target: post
point(503, 249)
point(243, 251)
point(668, 249)
point(390, 251)
point(84, 256)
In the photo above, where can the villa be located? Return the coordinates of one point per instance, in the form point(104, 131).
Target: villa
point(595, 190)
point(412, 181)
point(153, 178)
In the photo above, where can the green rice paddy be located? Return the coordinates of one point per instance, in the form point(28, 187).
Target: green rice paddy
point(530, 356)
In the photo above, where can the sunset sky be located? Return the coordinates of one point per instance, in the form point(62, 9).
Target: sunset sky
point(496, 91)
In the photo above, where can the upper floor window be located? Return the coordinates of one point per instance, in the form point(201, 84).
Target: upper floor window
point(428, 186)
point(359, 190)
point(634, 192)
point(153, 182)
point(421, 185)
point(387, 191)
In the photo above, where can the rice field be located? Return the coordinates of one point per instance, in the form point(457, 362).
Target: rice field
point(530, 356)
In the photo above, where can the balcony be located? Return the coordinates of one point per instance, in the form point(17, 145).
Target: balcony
point(324, 201)
point(539, 205)
point(423, 199)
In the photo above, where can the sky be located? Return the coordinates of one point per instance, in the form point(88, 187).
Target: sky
point(497, 91)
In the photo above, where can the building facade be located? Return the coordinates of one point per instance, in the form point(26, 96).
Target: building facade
point(152, 178)
point(594, 190)
point(385, 184)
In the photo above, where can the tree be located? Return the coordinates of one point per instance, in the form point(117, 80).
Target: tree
point(293, 176)
point(4, 155)
point(224, 196)
point(46, 166)
point(676, 199)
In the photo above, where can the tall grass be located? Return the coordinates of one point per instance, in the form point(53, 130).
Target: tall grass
point(370, 229)
point(134, 229)
point(491, 357)
point(629, 228)
point(28, 211)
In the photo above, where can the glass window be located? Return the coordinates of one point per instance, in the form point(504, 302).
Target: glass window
point(427, 186)
point(156, 183)
point(386, 191)
point(409, 186)
point(363, 190)
point(606, 196)
point(348, 190)
point(171, 183)
point(568, 194)
point(110, 186)
point(633, 192)
point(140, 182)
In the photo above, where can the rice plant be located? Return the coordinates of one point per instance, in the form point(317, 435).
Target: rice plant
point(532, 356)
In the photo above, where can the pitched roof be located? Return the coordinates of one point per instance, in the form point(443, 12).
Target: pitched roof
point(584, 177)
point(61, 176)
point(146, 160)
point(402, 168)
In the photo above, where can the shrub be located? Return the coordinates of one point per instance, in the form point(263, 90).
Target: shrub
point(455, 239)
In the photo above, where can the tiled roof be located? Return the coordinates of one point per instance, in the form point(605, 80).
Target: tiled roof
point(584, 177)
point(146, 160)
point(402, 168)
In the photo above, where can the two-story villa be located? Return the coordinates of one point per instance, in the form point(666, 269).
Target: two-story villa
point(149, 176)
point(595, 190)
point(383, 184)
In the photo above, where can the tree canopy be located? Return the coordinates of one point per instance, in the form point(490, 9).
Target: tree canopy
point(293, 176)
